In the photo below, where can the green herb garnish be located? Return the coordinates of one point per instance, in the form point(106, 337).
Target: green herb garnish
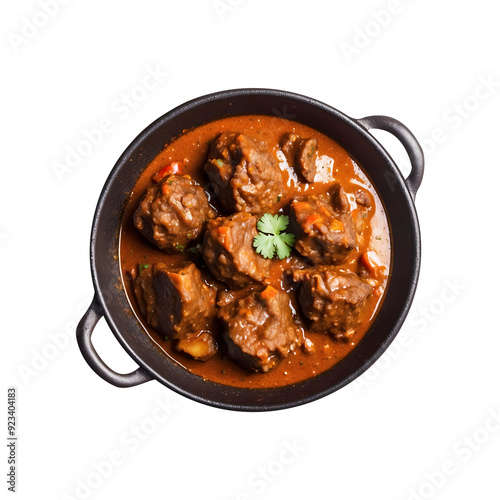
point(142, 267)
point(271, 239)
point(195, 249)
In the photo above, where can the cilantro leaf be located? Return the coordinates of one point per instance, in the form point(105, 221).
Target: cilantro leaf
point(264, 243)
point(271, 240)
point(272, 224)
point(282, 249)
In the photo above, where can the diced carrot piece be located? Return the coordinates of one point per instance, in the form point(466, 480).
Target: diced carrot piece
point(173, 168)
point(336, 225)
point(223, 230)
point(165, 188)
point(325, 211)
point(369, 259)
point(312, 220)
point(224, 235)
point(269, 292)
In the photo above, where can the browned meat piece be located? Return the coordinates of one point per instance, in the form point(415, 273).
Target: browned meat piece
point(259, 329)
point(177, 303)
point(184, 300)
point(333, 301)
point(228, 250)
point(363, 199)
point(144, 293)
point(301, 155)
point(244, 175)
point(225, 297)
point(172, 214)
point(339, 200)
point(324, 235)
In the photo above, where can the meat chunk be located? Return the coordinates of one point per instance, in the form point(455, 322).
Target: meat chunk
point(363, 199)
point(228, 250)
point(177, 303)
point(184, 300)
point(224, 296)
point(333, 301)
point(243, 174)
point(144, 293)
point(259, 329)
point(324, 234)
point(172, 214)
point(338, 198)
point(301, 155)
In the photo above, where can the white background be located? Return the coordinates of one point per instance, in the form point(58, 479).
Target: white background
point(424, 422)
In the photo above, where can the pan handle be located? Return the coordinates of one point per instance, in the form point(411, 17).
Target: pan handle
point(409, 142)
point(83, 335)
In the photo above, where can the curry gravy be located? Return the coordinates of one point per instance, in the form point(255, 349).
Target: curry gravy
point(334, 165)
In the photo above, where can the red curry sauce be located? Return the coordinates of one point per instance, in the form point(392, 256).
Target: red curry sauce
point(335, 165)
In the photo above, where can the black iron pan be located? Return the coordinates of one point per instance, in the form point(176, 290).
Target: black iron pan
point(397, 194)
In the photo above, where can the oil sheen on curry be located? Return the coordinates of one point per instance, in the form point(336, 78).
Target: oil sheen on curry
point(255, 251)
